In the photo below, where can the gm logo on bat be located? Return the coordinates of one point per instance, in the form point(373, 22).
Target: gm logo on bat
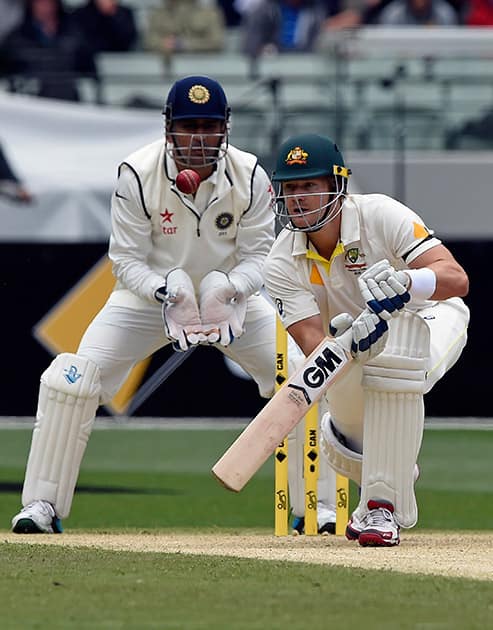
point(320, 369)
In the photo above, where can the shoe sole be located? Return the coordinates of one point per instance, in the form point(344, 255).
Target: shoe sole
point(374, 539)
point(27, 526)
point(352, 534)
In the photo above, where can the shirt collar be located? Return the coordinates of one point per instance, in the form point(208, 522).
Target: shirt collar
point(350, 223)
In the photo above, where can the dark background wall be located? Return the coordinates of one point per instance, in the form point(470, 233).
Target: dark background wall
point(34, 277)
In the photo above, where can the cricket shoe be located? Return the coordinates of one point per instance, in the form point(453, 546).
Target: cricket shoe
point(356, 525)
point(326, 521)
point(380, 529)
point(38, 517)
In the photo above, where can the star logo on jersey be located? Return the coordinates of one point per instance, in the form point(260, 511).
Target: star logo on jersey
point(167, 216)
point(297, 155)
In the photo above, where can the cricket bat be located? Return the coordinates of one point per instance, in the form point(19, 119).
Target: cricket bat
point(281, 414)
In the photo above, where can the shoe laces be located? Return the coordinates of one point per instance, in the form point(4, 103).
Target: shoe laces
point(379, 516)
point(43, 506)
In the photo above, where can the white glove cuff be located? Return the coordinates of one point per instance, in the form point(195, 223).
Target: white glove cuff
point(238, 282)
point(423, 283)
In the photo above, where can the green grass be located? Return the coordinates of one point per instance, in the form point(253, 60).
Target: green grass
point(160, 480)
point(150, 590)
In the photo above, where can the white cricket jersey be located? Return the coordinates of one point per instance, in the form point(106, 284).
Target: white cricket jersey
point(228, 225)
point(373, 227)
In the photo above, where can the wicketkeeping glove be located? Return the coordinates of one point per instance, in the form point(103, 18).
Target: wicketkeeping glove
point(180, 310)
point(222, 308)
point(384, 289)
point(365, 337)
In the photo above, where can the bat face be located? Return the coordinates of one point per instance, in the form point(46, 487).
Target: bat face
point(281, 414)
point(322, 366)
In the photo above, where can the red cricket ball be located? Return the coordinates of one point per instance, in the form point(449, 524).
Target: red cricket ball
point(187, 181)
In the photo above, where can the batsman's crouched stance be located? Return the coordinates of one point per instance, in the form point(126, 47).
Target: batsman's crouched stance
point(378, 409)
point(340, 253)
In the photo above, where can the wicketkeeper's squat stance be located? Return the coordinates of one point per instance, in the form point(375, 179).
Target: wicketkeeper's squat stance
point(338, 253)
point(195, 260)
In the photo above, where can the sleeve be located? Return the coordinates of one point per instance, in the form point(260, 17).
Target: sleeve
point(255, 236)
point(131, 239)
point(294, 301)
point(405, 232)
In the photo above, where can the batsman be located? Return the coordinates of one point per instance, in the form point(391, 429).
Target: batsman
point(341, 254)
point(192, 225)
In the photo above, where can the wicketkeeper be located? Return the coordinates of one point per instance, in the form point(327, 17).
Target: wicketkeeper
point(340, 253)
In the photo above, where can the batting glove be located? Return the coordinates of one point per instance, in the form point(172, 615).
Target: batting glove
point(365, 337)
point(384, 289)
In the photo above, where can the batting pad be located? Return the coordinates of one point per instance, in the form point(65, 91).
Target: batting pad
point(68, 400)
point(394, 417)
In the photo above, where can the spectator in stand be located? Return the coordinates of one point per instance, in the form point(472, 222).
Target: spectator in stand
point(418, 13)
point(356, 13)
point(231, 13)
point(10, 184)
point(285, 25)
point(107, 25)
point(11, 13)
point(186, 26)
point(46, 53)
point(479, 13)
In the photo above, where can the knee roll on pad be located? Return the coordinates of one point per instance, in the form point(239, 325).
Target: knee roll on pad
point(340, 457)
point(68, 400)
point(394, 417)
point(401, 367)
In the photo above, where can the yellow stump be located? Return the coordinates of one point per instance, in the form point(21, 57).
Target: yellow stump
point(281, 508)
point(342, 504)
point(310, 469)
point(310, 462)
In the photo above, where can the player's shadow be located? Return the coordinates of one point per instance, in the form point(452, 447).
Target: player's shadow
point(7, 487)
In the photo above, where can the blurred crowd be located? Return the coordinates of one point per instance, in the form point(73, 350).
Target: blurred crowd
point(46, 45)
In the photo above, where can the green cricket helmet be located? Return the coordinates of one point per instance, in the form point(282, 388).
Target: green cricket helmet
point(305, 157)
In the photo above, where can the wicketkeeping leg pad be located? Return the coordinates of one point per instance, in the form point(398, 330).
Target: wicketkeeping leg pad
point(68, 400)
